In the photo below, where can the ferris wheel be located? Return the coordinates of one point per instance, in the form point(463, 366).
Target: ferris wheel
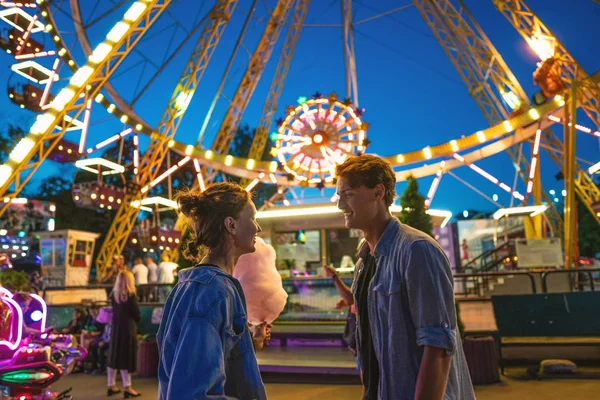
point(78, 79)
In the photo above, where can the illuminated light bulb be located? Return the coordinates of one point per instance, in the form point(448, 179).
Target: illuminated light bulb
point(118, 201)
point(162, 238)
point(229, 160)
point(454, 145)
point(124, 118)
point(171, 143)
point(102, 197)
point(101, 205)
point(111, 199)
point(170, 239)
point(77, 198)
point(93, 196)
point(507, 126)
point(134, 240)
point(318, 138)
point(154, 238)
point(427, 152)
point(176, 240)
point(480, 136)
point(139, 127)
point(534, 114)
point(208, 155)
point(250, 163)
point(111, 108)
point(400, 158)
point(189, 149)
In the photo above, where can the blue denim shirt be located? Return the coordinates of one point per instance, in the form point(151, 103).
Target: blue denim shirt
point(411, 304)
point(204, 343)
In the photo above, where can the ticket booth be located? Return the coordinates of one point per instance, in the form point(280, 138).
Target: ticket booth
point(67, 257)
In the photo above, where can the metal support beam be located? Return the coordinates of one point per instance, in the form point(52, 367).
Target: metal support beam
point(154, 156)
point(255, 68)
point(481, 68)
point(70, 102)
point(569, 174)
point(283, 65)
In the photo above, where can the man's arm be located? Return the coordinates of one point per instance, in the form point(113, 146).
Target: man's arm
point(433, 374)
point(343, 290)
point(431, 302)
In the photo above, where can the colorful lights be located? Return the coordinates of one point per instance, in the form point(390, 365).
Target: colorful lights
point(489, 177)
point(534, 160)
point(317, 135)
point(531, 210)
point(594, 168)
point(113, 168)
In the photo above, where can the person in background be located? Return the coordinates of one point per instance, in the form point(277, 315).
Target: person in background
point(91, 333)
point(111, 275)
point(98, 349)
point(204, 342)
point(81, 318)
point(122, 354)
point(140, 275)
point(152, 269)
point(166, 275)
point(140, 272)
point(152, 278)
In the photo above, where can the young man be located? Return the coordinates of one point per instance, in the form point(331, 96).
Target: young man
point(407, 336)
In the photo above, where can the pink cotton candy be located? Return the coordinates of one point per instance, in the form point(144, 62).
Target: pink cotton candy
point(265, 296)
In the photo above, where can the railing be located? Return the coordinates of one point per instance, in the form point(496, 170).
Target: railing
point(587, 271)
point(481, 280)
point(489, 259)
point(313, 299)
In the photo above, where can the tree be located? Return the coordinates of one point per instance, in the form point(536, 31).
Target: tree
point(240, 148)
point(8, 140)
point(413, 208)
point(588, 231)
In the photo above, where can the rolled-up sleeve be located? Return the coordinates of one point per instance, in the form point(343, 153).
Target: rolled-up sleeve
point(431, 296)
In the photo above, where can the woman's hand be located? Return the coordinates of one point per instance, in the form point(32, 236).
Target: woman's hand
point(261, 335)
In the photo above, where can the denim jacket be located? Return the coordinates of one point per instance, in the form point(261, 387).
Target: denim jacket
point(204, 343)
point(411, 304)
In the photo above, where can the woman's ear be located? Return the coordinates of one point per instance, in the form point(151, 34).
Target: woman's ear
point(230, 225)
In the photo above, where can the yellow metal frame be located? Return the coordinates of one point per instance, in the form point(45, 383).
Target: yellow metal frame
point(283, 65)
point(125, 218)
point(586, 95)
point(255, 68)
point(87, 81)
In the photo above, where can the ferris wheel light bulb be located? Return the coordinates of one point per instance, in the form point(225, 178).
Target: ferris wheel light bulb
point(273, 167)
point(5, 172)
point(135, 11)
point(229, 160)
point(534, 114)
point(250, 164)
point(118, 31)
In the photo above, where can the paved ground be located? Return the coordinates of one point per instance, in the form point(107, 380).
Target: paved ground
point(517, 386)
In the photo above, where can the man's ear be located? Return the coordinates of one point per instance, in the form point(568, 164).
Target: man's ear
point(379, 191)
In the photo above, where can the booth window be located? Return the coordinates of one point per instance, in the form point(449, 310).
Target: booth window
point(341, 247)
point(299, 251)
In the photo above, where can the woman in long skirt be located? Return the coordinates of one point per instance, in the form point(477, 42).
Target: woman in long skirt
point(122, 354)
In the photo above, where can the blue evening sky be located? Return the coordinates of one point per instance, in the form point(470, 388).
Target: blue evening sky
point(412, 95)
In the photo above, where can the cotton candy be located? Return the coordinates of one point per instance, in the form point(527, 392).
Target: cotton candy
point(265, 296)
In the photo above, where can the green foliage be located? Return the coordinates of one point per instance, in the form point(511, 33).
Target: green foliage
point(15, 281)
point(413, 208)
point(240, 148)
point(8, 140)
point(588, 231)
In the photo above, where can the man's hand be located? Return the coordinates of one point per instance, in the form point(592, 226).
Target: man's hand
point(341, 303)
point(261, 335)
point(329, 270)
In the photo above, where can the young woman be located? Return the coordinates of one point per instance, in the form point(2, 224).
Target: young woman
point(205, 345)
point(122, 353)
